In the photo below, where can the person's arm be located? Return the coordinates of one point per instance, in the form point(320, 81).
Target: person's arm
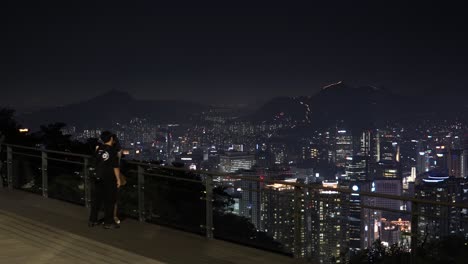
point(117, 176)
point(115, 164)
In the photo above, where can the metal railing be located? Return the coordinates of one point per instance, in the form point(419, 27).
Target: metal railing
point(299, 193)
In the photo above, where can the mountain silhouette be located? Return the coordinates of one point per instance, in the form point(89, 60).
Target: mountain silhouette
point(111, 107)
point(359, 107)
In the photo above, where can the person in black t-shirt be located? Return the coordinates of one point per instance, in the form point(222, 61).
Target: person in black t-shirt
point(118, 149)
point(106, 183)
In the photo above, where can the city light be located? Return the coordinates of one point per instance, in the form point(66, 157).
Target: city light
point(234, 123)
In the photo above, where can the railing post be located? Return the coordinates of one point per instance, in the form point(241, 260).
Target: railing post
point(209, 206)
point(297, 222)
point(45, 184)
point(414, 230)
point(87, 190)
point(9, 167)
point(141, 194)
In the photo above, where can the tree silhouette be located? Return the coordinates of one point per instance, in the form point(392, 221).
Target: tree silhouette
point(9, 128)
point(450, 250)
point(52, 137)
point(7, 124)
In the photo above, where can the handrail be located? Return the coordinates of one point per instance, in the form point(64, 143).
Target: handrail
point(316, 187)
point(256, 179)
point(48, 151)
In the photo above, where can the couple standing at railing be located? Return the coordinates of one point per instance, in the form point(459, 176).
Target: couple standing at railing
point(106, 183)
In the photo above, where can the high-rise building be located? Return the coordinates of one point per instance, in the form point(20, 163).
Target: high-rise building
point(359, 217)
point(390, 233)
point(422, 158)
point(357, 168)
point(365, 144)
point(233, 161)
point(386, 151)
point(332, 224)
point(343, 147)
point(385, 170)
point(250, 201)
point(321, 215)
point(370, 220)
point(464, 158)
point(464, 164)
point(391, 187)
point(454, 162)
point(193, 157)
point(168, 145)
point(279, 151)
point(280, 216)
point(385, 147)
point(436, 221)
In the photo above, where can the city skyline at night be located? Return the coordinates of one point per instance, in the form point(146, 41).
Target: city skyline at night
point(329, 132)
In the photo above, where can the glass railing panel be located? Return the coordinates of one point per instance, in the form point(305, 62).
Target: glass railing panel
point(27, 171)
point(3, 172)
point(175, 198)
point(128, 194)
point(253, 213)
point(66, 179)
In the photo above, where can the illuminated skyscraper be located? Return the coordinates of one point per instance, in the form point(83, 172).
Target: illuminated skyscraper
point(357, 168)
point(280, 215)
point(391, 187)
point(168, 146)
point(464, 158)
point(386, 149)
point(365, 144)
point(279, 151)
point(332, 224)
point(343, 147)
point(233, 161)
point(359, 217)
point(445, 220)
point(464, 164)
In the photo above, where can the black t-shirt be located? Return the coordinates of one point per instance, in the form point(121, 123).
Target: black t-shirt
point(106, 161)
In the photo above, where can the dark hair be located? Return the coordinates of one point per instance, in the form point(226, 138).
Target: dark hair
point(106, 136)
point(117, 145)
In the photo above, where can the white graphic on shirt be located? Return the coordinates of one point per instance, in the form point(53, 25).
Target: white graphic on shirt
point(105, 156)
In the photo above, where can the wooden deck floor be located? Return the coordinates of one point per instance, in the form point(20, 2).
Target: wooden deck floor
point(38, 230)
point(26, 241)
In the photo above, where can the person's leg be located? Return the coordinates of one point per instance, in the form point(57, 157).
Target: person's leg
point(96, 202)
point(109, 204)
point(116, 218)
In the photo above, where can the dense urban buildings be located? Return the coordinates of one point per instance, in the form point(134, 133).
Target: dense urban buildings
point(326, 225)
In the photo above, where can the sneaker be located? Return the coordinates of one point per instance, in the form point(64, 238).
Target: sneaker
point(111, 226)
point(93, 224)
point(117, 220)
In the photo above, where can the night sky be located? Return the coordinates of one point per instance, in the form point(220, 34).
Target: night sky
point(55, 54)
